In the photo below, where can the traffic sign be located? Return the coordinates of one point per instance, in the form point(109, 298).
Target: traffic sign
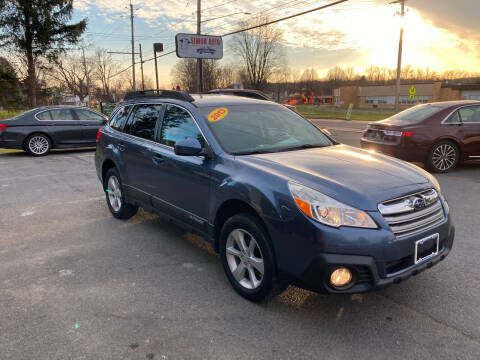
point(199, 46)
point(412, 92)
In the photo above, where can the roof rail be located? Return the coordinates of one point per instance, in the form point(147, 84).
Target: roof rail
point(170, 94)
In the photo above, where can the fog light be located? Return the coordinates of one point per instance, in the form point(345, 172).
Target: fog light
point(341, 277)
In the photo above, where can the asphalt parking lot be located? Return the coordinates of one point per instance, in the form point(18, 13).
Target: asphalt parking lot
point(75, 283)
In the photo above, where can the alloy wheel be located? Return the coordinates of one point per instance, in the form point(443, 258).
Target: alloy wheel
point(245, 259)
point(444, 157)
point(38, 145)
point(114, 193)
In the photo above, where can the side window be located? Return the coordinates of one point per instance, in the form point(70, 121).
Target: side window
point(61, 114)
point(470, 114)
point(178, 124)
point(84, 114)
point(454, 118)
point(144, 121)
point(120, 118)
point(46, 115)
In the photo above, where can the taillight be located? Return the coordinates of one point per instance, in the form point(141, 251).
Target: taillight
point(3, 127)
point(99, 133)
point(407, 133)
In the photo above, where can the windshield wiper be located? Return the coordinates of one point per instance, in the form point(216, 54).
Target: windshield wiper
point(303, 146)
point(252, 152)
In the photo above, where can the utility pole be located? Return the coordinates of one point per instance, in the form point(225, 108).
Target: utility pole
point(86, 76)
point(399, 62)
point(199, 61)
point(141, 66)
point(133, 46)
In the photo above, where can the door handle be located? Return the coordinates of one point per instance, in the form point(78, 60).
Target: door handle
point(158, 159)
point(121, 146)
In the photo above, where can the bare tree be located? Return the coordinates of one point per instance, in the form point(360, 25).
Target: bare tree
point(72, 73)
point(260, 50)
point(214, 75)
point(104, 70)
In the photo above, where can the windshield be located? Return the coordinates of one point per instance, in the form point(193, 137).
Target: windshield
point(261, 128)
point(23, 113)
point(417, 113)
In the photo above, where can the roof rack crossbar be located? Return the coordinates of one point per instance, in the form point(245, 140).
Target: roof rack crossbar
point(169, 94)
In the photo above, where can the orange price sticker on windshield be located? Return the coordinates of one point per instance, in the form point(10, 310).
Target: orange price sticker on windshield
point(217, 114)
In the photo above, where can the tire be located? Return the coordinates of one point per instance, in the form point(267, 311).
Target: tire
point(443, 157)
point(38, 144)
point(115, 196)
point(249, 259)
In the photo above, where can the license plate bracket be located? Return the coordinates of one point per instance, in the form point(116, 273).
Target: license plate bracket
point(426, 248)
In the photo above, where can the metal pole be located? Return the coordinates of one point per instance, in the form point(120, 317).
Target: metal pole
point(399, 62)
point(199, 61)
point(141, 66)
point(156, 69)
point(133, 47)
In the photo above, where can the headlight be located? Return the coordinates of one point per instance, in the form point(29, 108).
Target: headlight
point(328, 211)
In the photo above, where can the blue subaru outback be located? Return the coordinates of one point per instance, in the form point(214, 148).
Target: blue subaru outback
point(280, 200)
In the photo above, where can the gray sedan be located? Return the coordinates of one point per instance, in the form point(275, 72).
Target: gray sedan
point(39, 130)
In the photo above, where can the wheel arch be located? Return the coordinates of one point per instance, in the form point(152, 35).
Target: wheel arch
point(107, 165)
point(453, 140)
point(37, 132)
point(231, 208)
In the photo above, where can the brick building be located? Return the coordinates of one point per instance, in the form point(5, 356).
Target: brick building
point(383, 96)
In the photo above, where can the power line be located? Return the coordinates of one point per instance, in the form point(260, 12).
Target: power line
point(249, 28)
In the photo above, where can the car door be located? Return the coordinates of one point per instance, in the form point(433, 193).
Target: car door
point(63, 126)
point(138, 154)
point(182, 183)
point(470, 118)
point(91, 122)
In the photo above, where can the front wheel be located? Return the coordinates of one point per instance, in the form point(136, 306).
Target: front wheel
point(247, 258)
point(443, 157)
point(115, 197)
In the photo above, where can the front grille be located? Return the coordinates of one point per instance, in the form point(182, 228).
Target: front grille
point(412, 213)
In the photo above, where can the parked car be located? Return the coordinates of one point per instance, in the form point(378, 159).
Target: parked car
point(440, 135)
point(280, 200)
point(206, 50)
point(39, 130)
point(253, 94)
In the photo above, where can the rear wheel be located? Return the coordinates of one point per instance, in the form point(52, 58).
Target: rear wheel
point(247, 258)
point(38, 144)
point(443, 157)
point(115, 197)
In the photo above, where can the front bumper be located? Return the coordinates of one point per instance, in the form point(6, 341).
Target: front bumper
point(308, 252)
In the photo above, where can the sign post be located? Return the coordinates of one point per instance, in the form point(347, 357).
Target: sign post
point(412, 92)
point(157, 47)
point(349, 112)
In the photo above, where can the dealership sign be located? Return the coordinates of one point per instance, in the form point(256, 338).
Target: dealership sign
point(199, 46)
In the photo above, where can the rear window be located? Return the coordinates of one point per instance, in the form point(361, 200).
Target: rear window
point(417, 113)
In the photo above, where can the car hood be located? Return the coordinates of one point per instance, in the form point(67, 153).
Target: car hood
point(354, 176)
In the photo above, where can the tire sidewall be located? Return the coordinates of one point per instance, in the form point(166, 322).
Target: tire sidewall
point(27, 147)
point(430, 164)
point(253, 226)
point(120, 213)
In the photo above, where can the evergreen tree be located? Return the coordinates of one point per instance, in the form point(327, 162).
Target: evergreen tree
point(37, 29)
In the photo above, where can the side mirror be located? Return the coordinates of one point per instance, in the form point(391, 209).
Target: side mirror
point(105, 120)
point(188, 147)
point(326, 131)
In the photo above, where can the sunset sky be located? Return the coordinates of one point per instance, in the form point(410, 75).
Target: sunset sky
point(440, 34)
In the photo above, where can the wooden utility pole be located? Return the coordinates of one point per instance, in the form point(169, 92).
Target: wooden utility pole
point(141, 66)
point(399, 61)
point(199, 61)
point(133, 47)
